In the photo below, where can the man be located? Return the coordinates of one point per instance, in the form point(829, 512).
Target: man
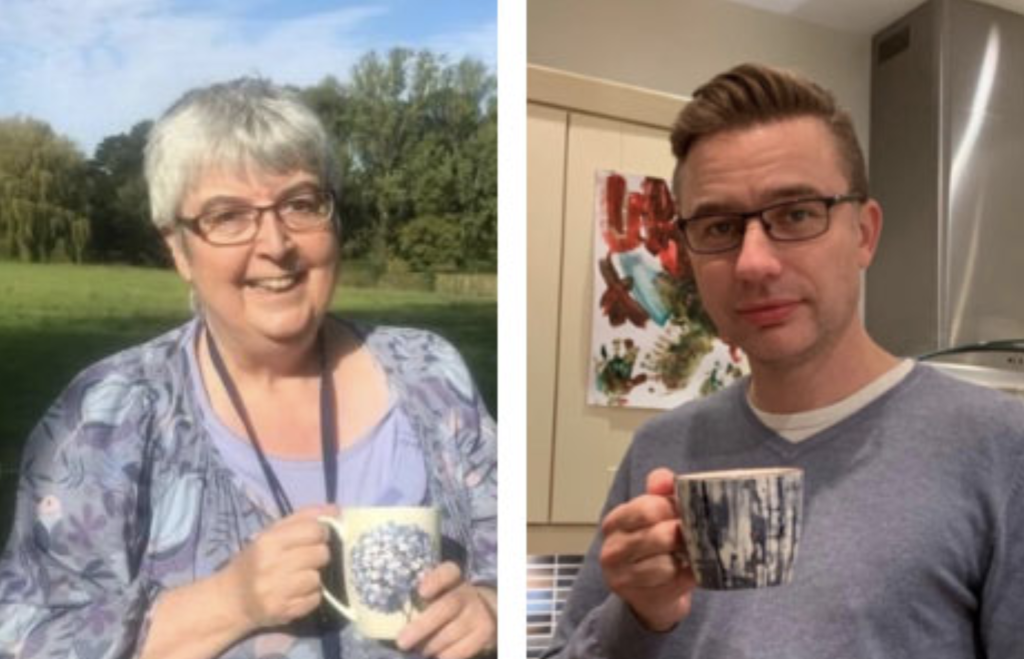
point(913, 536)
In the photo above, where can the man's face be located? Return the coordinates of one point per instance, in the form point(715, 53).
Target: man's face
point(783, 303)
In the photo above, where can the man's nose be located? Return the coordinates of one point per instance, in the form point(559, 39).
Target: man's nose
point(758, 256)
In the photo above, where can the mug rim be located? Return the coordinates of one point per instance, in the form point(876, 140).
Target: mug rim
point(739, 473)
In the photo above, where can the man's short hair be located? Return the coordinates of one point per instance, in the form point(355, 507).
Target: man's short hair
point(755, 94)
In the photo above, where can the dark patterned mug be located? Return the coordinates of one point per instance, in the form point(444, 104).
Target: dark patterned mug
point(741, 527)
point(385, 551)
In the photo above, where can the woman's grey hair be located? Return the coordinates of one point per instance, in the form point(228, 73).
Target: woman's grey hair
point(242, 124)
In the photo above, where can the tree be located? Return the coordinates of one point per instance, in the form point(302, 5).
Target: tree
point(432, 243)
point(383, 127)
point(119, 202)
point(421, 131)
point(330, 100)
point(480, 191)
point(416, 140)
point(42, 193)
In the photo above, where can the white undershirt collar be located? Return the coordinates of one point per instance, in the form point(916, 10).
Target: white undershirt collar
point(798, 427)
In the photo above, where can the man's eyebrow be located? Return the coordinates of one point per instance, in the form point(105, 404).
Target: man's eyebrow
point(714, 208)
point(784, 193)
point(798, 191)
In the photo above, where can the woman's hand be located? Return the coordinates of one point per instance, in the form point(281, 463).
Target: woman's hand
point(273, 580)
point(460, 621)
point(276, 578)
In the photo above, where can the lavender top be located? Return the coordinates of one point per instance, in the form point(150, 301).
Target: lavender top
point(123, 495)
point(384, 467)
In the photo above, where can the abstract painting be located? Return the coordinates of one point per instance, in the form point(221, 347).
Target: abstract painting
point(653, 345)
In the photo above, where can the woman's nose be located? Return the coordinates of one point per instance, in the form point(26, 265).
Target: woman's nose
point(272, 236)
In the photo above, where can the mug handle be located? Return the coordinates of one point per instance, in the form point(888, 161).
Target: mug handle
point(338, 527)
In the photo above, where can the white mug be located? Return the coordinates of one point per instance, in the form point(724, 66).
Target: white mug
point(385, 551)
point(742, 526)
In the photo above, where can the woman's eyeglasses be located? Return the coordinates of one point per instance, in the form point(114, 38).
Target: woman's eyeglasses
point(237, 224)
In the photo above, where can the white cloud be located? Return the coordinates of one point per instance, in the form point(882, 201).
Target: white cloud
point(93, 68)
point(480, 43)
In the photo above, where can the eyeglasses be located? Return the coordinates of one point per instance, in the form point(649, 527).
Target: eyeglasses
point(788, 221)
point(237, 224)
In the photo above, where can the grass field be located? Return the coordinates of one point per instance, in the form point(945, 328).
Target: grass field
point(56, 319)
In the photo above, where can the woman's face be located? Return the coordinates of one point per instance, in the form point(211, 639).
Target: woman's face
point(269, 293)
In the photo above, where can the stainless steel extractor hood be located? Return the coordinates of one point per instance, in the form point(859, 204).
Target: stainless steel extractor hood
point(947, 165)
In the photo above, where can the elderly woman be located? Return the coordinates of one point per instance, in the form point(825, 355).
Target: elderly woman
point(169, 499)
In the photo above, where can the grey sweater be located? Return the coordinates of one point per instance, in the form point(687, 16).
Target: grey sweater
point(913, 537)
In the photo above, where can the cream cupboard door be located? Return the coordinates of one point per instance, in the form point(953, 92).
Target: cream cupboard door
point(589, 441)
point(545, 186)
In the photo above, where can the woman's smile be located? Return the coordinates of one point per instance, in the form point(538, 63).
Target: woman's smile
point(277, 284)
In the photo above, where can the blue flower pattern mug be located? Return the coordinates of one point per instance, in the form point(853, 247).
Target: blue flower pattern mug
point(386, 551)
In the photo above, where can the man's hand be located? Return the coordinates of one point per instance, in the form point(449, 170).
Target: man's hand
point(643, 555)
point(460, 621)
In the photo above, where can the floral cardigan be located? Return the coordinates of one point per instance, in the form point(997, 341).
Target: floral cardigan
point(122, 495)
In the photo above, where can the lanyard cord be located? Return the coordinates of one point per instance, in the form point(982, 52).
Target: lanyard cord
point(328, 428)
point(328, 432)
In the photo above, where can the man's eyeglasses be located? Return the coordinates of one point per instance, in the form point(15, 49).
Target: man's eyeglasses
point(237, 224)
point(787, 221)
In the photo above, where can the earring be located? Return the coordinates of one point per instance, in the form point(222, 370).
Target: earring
point(194, 303)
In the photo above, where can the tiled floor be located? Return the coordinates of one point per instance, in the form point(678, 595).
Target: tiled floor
point(549, 580)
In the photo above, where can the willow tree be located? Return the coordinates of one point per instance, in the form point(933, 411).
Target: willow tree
point(43, 193)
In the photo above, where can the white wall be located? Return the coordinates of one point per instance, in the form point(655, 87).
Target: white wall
point(676, 45)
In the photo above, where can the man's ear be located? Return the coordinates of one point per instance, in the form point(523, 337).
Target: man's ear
point(869, 224)
point(178, 247)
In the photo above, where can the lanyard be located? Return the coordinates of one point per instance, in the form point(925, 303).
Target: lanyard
point(328, 433)
point(328, 428)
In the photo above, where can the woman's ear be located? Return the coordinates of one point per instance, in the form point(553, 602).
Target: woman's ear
point(178, 247)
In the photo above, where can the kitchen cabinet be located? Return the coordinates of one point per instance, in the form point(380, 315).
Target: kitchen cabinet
point(576, 127)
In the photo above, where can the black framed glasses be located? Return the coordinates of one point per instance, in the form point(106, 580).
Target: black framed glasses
point(786, 221)
point(237, 224)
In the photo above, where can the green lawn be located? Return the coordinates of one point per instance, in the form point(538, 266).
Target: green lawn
point(56, 319)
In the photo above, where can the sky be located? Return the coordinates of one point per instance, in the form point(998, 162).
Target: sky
point(94, 68)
